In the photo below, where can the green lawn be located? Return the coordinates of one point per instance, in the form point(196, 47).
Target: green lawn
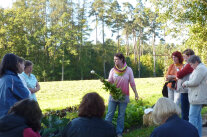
point(59, 95)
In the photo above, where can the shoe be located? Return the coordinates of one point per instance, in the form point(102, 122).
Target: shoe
point(119, 135)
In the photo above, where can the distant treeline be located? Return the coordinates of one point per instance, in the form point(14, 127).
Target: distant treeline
point(54, 34)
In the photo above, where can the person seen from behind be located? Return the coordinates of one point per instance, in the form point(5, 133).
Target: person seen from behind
point(166, 115)
point(90, 122)
point(22, 120)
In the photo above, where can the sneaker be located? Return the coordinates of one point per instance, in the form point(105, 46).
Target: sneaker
point(119, 135)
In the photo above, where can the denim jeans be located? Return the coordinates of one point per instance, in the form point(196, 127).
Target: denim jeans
point(195, 117)
point(174, 95)
point(121, 114)
point(185, 106)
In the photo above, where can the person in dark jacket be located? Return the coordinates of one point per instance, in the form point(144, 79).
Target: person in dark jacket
point(22, 120)
point(90, 122)
point(11, 86)
point(166, 114)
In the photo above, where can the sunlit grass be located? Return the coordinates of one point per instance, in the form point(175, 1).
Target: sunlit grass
point(61, 94)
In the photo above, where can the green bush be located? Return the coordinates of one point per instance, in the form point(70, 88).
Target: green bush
point(133, 115)
point(54, 122)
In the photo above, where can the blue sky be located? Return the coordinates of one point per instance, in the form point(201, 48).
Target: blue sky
point(8, 3)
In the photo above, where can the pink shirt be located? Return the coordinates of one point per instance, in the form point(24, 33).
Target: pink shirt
point(122, 81)
point(28, 132)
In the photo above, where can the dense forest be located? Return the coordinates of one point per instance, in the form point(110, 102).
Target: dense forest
point(54, 35)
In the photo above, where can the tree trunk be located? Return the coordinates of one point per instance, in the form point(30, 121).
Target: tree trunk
point(154, 53)
point(104, 66)
point(127, 45)
point(63, 67)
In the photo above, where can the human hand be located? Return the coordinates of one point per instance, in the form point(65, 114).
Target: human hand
point(136, 96)
point(32, 90)
point(102, 79)
point(183, 85)
point(171, 76)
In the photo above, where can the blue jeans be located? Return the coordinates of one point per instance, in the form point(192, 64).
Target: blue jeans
point(195, 117)
point(185, 106)
point(121, 114)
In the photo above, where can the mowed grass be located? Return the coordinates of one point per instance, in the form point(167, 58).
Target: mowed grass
point(61, 94)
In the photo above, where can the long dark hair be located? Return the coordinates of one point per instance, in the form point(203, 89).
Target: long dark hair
point(91, 105)
point(30, 110)
point(9, 62)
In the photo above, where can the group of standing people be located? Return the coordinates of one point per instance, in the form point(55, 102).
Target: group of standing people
point(16, 84)
point(187, 86)
point(18, 87)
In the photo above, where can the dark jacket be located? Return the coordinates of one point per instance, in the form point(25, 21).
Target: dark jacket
point(89, 127)
point(175, 127)
point(11, 91)
point(12, 126)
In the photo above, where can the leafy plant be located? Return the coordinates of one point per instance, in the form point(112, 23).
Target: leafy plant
point(54, 122)
point(115, 92)
point(53, 126)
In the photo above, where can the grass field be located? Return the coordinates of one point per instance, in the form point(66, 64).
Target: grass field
point(61, 94)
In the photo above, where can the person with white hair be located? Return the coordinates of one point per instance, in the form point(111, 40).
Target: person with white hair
point(197, 93)
point(166, 114)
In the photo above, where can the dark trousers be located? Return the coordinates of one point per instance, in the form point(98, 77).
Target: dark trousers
point(185, 106)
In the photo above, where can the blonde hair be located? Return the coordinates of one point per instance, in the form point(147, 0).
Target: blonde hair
point(163, 109)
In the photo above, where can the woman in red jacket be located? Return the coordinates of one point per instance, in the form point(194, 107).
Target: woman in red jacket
point(183, 75)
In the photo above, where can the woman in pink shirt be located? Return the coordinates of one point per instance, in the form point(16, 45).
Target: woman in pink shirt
point(122, 76)
point(22, 120)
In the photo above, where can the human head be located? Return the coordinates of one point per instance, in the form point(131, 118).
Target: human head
point(21, 65)
point(28, 67)
point(9, 62)
point(92, 105)
point(119, 58)
point(177, 57)
point(187, 53)
point(163, 109)
point(194, 61)
point(30, 110)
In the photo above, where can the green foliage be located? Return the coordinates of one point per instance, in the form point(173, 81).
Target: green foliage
point(134, 114)
point(53, 125)
point(141, 132)
point(55, 97)
point(115, 92)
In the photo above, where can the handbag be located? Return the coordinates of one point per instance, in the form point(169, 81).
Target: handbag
point(165, 90)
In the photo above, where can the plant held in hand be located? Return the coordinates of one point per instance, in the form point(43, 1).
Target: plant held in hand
point(115, 92)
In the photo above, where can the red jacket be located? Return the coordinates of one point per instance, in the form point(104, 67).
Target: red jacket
point(185, 71)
